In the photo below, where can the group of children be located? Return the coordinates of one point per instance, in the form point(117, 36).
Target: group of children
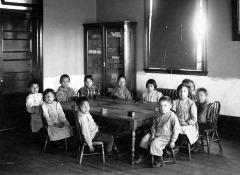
point(175, 122)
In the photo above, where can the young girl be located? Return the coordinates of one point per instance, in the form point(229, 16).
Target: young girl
point(202, 108)
point(89, 128)
point(121, 92)
point(89, 90)
point(191, 85)
point(151, 95)
point(33, 104)
point(186, 112)
point(64, 92)
point(165, 130)
point(58, 126)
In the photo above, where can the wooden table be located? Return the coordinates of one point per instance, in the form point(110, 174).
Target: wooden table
point(117, 114)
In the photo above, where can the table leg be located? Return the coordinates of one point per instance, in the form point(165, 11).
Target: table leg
point(133, 146)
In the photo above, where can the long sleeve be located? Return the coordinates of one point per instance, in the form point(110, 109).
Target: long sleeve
point(85, 131)
point(32, 106)
point(128, 95)
point(153, 127)
point(193, 112)
point(46, 115)
point(61, 114)
point(175, 129)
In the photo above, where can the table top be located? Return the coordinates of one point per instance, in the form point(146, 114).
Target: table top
point(118, 109)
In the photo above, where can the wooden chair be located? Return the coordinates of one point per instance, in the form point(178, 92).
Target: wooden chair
point(82, 143)
point(188, 147)
point(173, 158)
point(45, 127)
point(210, 134)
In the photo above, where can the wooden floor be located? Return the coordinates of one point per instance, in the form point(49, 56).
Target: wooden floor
point(20, 156)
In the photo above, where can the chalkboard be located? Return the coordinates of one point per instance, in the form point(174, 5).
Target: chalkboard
point(171, 42)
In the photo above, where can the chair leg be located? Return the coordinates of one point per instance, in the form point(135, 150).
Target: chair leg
point(152, 159)
point(66, 147)
point(208, 144)
point(103, 154)
point(189, 151)
point(45, 145)
point(173, 156)
point(81, 155)
point(219, 143)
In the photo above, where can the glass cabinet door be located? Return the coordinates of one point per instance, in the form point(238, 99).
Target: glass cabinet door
point(114, 56)
point(95, 57)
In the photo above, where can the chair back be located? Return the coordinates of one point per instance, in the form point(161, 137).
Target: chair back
point(78, 128)
point(213, 114)
point(172, 93)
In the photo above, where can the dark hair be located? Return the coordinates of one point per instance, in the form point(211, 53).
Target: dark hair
point(181, 86)
point(187, 81)
point(88, 77)
point(64, 76)
point(167, 99)
point(204, 90)
point(33, 82)
point(80, 100)
point(152, 81)
point(121, 76)
point(46, 91)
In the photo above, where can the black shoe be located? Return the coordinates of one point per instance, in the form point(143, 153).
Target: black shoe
point(159, 163)
point(139, 160)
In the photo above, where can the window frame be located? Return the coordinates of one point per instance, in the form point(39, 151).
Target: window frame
point(148, 69)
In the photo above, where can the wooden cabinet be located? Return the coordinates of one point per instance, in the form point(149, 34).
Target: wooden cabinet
point(110, 51)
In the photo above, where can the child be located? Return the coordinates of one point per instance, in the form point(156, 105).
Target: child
point(33, 104)
point(89, 90)
point(164, 131)
point(191, 86)
point(58, 126)
point(186, 112)
point(89, 128)
point(64, 92)
point(202, 107)
point(121, 92)
point(151, 95)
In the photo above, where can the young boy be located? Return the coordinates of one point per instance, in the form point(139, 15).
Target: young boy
point(33, 103)
point(89, 128)
point(202, 108)
point(89, 90)
point(165, 130)
point(64, 92)
point(121, 92)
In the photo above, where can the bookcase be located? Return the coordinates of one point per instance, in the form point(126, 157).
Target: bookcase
point(109, 51)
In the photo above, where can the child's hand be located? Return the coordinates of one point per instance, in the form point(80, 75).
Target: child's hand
point(184, 123)
point(172, 145)
point(61, 125)
point(91, 148)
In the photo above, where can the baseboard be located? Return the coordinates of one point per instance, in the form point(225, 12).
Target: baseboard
point(229, 127)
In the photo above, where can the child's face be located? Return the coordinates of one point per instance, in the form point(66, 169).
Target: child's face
point(183, 93)
point(84, 107)
point(164, 107)
point(150, 87)
point(34, 88)
point(202, 97)
point(49, 98)
point(88, 82)
point(65, 82)
point(191, 87)
point(121, 82)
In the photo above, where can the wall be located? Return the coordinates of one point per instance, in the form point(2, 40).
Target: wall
point(63, 39)
point(223, 80)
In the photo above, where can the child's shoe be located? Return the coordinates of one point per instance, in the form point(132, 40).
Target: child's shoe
point(159, 162)
point(139, 160)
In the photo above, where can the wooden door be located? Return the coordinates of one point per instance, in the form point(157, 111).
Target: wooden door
point(18, 61)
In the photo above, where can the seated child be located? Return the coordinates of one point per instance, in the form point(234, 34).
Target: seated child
point(165, 129)
point(202, 108)
point(186, 112)
point(58, 126)
point(89, 90)
point(151, 95)
point(89, 128)
point(191, 85)
point(64, 92)
point(121, 92)
point(33, 105)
